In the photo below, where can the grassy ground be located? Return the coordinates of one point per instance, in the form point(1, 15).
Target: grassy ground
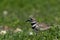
point(18, 12)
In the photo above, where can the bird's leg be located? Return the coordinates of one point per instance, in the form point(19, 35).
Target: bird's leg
point(36, 31)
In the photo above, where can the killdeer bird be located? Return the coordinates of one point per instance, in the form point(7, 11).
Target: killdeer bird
point(37, 26)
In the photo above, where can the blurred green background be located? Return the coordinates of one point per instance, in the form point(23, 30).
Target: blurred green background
point(18, 11)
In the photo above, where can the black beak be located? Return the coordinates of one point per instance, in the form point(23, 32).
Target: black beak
point(27, 20)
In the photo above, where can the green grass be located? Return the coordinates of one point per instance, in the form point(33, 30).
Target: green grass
point(18, 12)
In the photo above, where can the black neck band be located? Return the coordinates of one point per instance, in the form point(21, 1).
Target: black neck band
point(33, 23)
point(33, 27)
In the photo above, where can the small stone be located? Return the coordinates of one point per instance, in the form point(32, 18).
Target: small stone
point(3, 32)
point(30, 33)
point(5, 12)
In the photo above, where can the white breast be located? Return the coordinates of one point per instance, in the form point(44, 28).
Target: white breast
point(33, 25)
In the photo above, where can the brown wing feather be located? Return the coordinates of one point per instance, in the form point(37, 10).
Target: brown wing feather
point(43, 25)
